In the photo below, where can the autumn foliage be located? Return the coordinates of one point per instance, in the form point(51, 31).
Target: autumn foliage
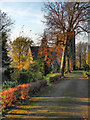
point(51, 54)
point(13, 95)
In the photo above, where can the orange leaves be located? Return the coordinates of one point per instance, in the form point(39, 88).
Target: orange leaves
point(40, 52)
point(58, 59)
point(48, 62)
point(8, 97)
point(53, 62)
point(51, 53)
point(25, 91)
point(12, 95)
point(46, 57)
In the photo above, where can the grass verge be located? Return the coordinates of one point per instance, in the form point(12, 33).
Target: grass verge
point(87, 74)
point(47, 77)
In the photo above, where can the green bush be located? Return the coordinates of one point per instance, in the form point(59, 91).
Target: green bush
point(23, 78)
point(7, 73)
point(34, 73)
point(39, 76)
point(55, 78)
point(8, 84)
point(26, 76)
point(30, 75)
point(86, 67)
point(87, 74)
point(15, 75)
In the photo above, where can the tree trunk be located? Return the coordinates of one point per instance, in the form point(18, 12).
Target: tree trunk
point(79, 61)
point(62, 67)
point(73, 51)
point(67, 60)
point(68, 66)
point(63, 61)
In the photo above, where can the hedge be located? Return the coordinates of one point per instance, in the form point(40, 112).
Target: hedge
point(12, 95)
point(55, 78)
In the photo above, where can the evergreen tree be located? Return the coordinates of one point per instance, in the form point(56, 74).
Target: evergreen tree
point(29, 59)
point(43, 56)
point(5, 28)
point(5, 57)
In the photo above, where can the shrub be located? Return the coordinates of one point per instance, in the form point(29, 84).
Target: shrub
point(23, 78)
point(55, 78)
point(30, 75)
point(7, 73)
point(33, 73)
point(25, 91)
point(39, 76)
point(12, 95)
point(86, 67)
point(87, 74)
point(15, 75)
point(8, 84)
point(9, 97)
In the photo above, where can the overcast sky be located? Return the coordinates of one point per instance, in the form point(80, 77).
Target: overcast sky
point(30, 15)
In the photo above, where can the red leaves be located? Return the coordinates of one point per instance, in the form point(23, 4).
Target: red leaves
point(53, 62)
point(25, 91)
point(51, 53)
point(8, 97)
point(46, 57)
point(12, 95)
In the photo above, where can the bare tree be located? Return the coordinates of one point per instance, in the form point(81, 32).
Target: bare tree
point(81, 51)
point(5, 27)
point(5, 22)
point(68, 18)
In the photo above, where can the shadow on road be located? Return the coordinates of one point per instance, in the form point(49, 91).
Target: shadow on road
point(66, 99)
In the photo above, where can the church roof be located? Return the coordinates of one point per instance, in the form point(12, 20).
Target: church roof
point(35, 50)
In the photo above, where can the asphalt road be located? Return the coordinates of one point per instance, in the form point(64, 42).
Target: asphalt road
point(65, 99)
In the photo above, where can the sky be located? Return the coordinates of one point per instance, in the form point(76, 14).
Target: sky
point(28, 16)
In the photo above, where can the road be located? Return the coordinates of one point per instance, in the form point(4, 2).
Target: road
point(65, 99)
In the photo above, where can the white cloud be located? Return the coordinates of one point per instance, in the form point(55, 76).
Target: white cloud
point(21, 0)
point(24, 13)
point(30, 16)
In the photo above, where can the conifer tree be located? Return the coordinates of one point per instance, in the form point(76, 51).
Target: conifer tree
point(42, 55)
point(5, 57)
point(5, 28)
point(29, 59)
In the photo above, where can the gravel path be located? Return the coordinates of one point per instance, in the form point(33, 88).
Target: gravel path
point(65, 99)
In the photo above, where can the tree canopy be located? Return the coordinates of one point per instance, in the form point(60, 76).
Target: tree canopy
point(5, 22)
point(5, 28)
point(64, 17)
point(19, 51)
point(69, 19)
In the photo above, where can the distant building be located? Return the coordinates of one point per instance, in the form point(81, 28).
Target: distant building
point(35, 50)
